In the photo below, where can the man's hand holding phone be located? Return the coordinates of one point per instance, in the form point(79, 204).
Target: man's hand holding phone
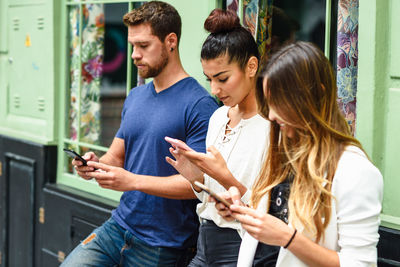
point(82, 170)
point(80, 163)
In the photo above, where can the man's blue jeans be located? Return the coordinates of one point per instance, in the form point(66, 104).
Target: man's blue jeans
point(111, 245)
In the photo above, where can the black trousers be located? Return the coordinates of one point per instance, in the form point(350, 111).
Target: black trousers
point(219, 246)
point(216, 246)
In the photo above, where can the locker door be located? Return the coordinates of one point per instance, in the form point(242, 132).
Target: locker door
point(30, 57)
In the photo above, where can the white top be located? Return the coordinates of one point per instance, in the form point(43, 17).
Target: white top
point(352, 231)
point(243, 150)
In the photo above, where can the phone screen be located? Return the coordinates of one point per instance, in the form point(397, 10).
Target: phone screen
point(75, 155)
point(211, 193)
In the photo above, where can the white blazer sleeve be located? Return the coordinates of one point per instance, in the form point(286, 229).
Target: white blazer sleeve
point(358, 189)
point(249, 244)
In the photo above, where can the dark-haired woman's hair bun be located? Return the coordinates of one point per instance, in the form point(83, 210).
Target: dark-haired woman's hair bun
point(221, 20)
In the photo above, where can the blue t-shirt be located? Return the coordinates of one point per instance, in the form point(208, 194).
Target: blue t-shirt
point(181, 111)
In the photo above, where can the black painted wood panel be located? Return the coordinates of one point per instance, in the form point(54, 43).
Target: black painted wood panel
point(71, 215)
point(20, 206)
point(389, 247)
point(26, 168)
point(27, 185)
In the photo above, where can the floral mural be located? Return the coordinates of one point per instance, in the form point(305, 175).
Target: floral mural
point(86, 61)
point(264, 27)
point(257, 16)
point(347, 59)
point(250, 15)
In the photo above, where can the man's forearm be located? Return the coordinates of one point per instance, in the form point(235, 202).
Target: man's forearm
point(111, 160)
point(115, 155)
point(174, 187)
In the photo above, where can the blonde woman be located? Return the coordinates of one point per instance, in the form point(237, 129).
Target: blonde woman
point(318, 196)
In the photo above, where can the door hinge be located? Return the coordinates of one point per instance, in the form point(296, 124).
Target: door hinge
point(1, 170)
point(41, 215)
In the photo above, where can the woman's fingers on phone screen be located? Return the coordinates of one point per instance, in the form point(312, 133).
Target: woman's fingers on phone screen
point(224, 211)
point(235, 195)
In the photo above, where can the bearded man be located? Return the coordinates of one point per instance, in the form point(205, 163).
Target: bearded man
point(155, 223)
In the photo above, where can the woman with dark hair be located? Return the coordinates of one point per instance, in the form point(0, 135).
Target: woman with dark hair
point(318, 196)
point(236, 137)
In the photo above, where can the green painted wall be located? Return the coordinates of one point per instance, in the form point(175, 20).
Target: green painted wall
point(378, 97)
point(193, 14)
point(3, 56)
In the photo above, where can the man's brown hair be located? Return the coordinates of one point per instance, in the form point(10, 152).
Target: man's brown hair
point(162, 18)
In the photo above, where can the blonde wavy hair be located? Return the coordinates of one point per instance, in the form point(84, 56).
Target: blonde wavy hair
point(299, 84)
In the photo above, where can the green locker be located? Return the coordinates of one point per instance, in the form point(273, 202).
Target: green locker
point(29, 62)
point(28, 89)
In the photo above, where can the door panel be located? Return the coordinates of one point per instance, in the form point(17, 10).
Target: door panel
point(29, 39)
point(20, 200)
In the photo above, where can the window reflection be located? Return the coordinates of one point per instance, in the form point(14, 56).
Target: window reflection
point(113, 86)
point(309, 15)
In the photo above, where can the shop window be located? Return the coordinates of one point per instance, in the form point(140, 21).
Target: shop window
point(309, 18)
point(313, 21)
point(99, 75)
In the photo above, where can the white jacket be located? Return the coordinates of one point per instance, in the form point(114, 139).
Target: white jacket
point(353, 228)
point(243, 154)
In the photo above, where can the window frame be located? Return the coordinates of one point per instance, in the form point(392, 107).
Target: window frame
point(63, 177)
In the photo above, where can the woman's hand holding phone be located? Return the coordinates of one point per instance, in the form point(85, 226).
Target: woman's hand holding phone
point(212, 194)
point(178, 144)
point(263, 226)
point(232, 196)
point(187, 169)
point(211, 163)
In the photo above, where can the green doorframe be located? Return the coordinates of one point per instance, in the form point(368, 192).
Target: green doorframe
point(378, 97)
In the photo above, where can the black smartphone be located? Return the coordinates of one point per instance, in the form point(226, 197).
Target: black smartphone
point(211, 193)
point(75, 155)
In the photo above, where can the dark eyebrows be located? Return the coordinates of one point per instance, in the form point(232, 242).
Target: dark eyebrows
point(141, 43)
point(216, 75)
point(138, 43)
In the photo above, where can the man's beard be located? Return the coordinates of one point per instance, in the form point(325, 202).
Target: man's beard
point(153, 71)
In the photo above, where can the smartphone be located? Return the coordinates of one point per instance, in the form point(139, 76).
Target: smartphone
point(75, 156)
point(211, 193)
point(176, 143)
